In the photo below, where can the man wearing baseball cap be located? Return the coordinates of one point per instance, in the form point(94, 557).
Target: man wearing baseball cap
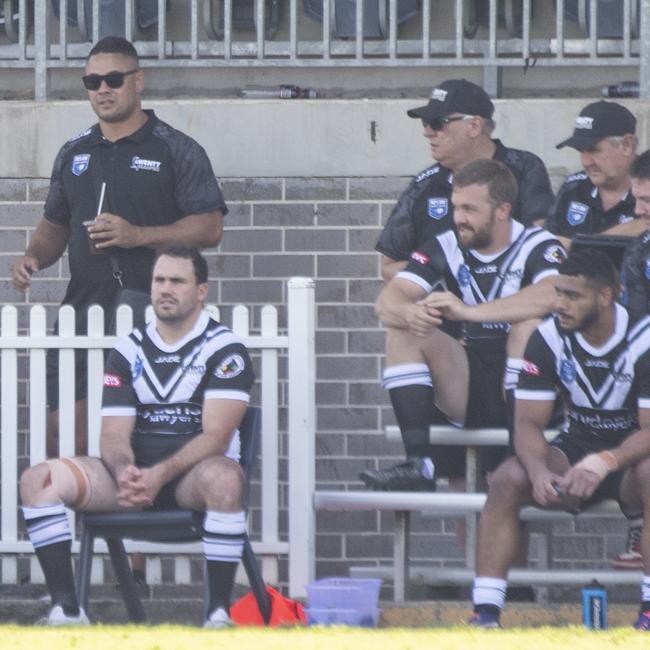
point(457, 123)
point(598, 199)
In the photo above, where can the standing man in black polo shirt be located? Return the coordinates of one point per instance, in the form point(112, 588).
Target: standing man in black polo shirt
point(598, 199)
point(160, 189)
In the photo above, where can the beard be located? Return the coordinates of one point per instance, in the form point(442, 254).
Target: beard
point(584, 323)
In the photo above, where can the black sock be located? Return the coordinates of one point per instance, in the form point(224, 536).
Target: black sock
point(487, 609)
point(221, 578)
point(414, 411)
point(56, 562)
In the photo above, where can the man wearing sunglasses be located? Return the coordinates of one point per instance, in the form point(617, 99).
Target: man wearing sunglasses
point(157, 187)
point(457, 123)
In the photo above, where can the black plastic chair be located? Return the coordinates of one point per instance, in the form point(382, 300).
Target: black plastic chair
point(164, 526)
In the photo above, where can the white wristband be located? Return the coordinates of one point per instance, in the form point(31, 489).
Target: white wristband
point(600, 464)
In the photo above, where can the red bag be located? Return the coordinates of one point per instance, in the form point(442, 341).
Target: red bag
point(284, 611)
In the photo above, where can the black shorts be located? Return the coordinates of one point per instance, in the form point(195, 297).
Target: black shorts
point(486, 408)
point(52, 377)
point(151, 449)
point(575, 450)
point(166, 499)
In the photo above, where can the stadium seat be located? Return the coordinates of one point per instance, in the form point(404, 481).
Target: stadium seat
point(610, 17)
point(9, 17)
point(112, 16)
point(375, 16)
point(509, 13)
point(164, 526)
point(244, 17)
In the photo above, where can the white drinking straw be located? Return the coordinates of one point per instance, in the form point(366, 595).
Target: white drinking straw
point(101, 198)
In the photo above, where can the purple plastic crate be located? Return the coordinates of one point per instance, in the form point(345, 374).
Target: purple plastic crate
point(337, 616)
point(358, 594)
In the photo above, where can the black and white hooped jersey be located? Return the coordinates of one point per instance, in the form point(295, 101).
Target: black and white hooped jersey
point(165, 386)
point(603, 388)
point(532, 255)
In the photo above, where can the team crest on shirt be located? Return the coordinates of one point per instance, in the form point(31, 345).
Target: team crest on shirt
point(230, 367)
point(647, 268)
point(80, 163)
point(464, 276)
point(137, 368)
point(555, 254)
point(576, 213)
point(437, 208)
point(567, 371)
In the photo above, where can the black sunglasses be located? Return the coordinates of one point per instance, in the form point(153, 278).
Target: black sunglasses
point(112, 79)
point(438, 123)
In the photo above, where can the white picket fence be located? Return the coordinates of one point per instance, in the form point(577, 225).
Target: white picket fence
point(299, 347)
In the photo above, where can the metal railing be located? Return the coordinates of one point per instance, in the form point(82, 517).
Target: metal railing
point(298, 345)
point(491, 34)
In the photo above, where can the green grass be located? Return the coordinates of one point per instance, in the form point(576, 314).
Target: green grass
point(186, 638)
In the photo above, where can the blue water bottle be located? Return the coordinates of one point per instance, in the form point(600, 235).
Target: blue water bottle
point(594, 606)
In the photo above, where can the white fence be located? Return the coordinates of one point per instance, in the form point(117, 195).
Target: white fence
point(299, 347)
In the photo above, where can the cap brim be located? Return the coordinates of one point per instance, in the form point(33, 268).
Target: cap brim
point(580, 142)
point(427, 112)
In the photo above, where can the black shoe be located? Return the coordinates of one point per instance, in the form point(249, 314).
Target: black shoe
point(408, 476)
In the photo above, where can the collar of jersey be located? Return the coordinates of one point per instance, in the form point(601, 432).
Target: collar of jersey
point(621, 319)
point(139, 136)
point(199, 326)
point(515, 231)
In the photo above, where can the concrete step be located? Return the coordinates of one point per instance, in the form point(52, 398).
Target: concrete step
point(183, 605)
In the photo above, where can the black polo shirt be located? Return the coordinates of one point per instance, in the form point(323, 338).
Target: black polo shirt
point(579, 210)
point(424, 210)
point(155, 176)
point(635, 277)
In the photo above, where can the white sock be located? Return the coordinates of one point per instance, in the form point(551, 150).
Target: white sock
point(406, 374)
point(511, 375)
point(489, 591)
point(645, 589)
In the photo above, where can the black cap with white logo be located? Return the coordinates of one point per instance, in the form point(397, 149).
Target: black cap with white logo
point(597, 121)
point(455, 96)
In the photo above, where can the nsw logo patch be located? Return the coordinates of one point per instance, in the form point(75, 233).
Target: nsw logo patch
point(230, 367)
point(80, 163)
point(437, 208)
point(567, 371)
point(576, 213)
point(464, 275)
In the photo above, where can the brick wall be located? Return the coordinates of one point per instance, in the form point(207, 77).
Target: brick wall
point(325, 228)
